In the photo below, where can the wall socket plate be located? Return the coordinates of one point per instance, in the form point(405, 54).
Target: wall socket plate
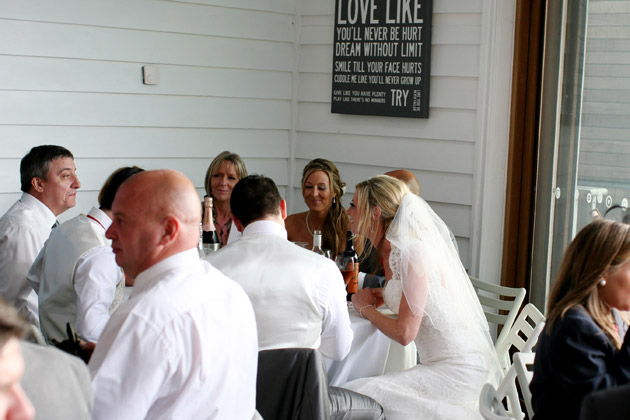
point(150, 75)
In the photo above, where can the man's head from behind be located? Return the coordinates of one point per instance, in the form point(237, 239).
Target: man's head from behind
point(113, 182)
point(256, 197)
point(408, 178)
point(156, 214)
point(13, 401)
point(48, 173)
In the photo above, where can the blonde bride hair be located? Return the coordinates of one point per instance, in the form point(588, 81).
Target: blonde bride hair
point(384, 192)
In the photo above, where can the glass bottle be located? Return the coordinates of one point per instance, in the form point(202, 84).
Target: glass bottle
point(317, 243)
point(348, 263)
point(210, 238)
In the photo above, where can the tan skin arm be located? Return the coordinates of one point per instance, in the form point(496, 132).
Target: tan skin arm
point(402, 329)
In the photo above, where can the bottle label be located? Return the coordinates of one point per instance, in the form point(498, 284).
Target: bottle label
point(353, 283)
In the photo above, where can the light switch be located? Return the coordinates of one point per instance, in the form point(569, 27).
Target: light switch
point(151, 75)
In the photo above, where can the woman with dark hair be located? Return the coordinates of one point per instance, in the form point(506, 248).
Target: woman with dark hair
point(322, 190)
point(224, 172)
point(584, 347)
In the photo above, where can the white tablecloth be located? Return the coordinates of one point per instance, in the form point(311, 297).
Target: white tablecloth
point(372, 354)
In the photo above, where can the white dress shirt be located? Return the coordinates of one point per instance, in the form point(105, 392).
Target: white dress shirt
point(75, 275)
point(298, 296)
point(23, 230)
point(182, 347)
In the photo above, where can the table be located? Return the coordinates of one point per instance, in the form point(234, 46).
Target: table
point(372, 353)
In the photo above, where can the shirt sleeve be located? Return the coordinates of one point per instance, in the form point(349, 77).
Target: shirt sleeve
point(34, 275)
point(336, 337)
point(95, 279)
point(129, 371)
point(19, 247)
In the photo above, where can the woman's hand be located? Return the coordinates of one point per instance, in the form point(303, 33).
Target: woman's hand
point(364, 297)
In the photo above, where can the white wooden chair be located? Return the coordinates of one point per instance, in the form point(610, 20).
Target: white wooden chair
point(491, 404)
point(523, 335)
point(493, 299)
point(522, 364)
point(507, 391)
point(529, 324)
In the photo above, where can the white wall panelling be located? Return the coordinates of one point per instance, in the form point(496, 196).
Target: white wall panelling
point(443, 151)
point(70, 74)
point(254, 77)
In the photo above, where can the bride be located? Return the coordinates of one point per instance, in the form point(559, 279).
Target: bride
point(436, 305)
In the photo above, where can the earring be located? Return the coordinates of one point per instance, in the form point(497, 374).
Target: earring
point(334, 200)
point(602, 282)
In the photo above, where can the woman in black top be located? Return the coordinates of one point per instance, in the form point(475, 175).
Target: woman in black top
point(584, 347)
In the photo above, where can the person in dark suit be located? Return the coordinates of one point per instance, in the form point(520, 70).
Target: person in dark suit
point(607, 404)
point(584, 347)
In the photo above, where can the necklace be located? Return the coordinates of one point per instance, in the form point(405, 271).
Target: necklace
point(307, 226)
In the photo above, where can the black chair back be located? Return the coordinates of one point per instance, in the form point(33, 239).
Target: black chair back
point(292, 384)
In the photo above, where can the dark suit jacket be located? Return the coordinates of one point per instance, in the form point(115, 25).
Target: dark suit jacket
point(608, 404)
point(573, 360)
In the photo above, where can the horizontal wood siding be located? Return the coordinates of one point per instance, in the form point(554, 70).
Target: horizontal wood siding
point(440, 150)
point(71, 74)
point(250, 76)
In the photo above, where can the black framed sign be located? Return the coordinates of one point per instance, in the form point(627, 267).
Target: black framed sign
point(382, 57)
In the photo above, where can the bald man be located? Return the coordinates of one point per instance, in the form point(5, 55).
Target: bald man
point(408, 178)
point(185, 344)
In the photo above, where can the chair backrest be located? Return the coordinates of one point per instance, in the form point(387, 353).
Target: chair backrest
point(496, 299)
point(292, 384)
point(522, 363)
point(491, 405)
point(523, 335)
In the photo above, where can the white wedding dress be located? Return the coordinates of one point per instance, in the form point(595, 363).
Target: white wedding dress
point(455, 351)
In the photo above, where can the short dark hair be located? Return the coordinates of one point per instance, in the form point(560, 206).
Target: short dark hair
point(115, 180)
point(11, 323)
point(253, 198)
point(36, 163)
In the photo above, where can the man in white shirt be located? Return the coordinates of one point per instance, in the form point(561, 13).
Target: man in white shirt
point(75, 273)
point(298, 296)
point(49, 183)
point(184, 344)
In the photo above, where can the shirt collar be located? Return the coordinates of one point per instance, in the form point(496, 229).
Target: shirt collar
point(156, 272)
point(265, 226)
point(100, 216)
point(48, 217)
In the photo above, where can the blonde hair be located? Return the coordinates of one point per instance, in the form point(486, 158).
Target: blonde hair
point(598, 249)
point(337, 221)
point(226, 156)
point(384, 192)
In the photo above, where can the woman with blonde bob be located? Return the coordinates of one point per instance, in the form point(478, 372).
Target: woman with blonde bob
point(584, 346)
point(436, 306)
point(322, 190)
point(224, 172)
